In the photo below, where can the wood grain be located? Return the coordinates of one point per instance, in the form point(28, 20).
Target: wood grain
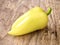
point(10, 10)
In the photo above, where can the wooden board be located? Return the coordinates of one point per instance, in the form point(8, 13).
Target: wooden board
point(10, 10)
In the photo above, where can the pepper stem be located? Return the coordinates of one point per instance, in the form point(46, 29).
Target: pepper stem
point(49, 11)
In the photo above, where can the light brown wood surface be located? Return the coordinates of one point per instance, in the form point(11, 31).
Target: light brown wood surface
point(10, 10)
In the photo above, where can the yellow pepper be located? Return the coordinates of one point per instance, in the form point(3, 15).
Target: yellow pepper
point(36, 18)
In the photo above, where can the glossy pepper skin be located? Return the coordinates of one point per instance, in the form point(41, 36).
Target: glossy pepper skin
point(36, 18)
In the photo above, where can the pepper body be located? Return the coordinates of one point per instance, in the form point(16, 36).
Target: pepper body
point(36, 18)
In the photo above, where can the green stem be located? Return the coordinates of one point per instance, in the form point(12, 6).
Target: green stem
point(49, 11)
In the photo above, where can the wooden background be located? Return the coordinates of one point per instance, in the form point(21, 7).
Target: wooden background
point(10, 10)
